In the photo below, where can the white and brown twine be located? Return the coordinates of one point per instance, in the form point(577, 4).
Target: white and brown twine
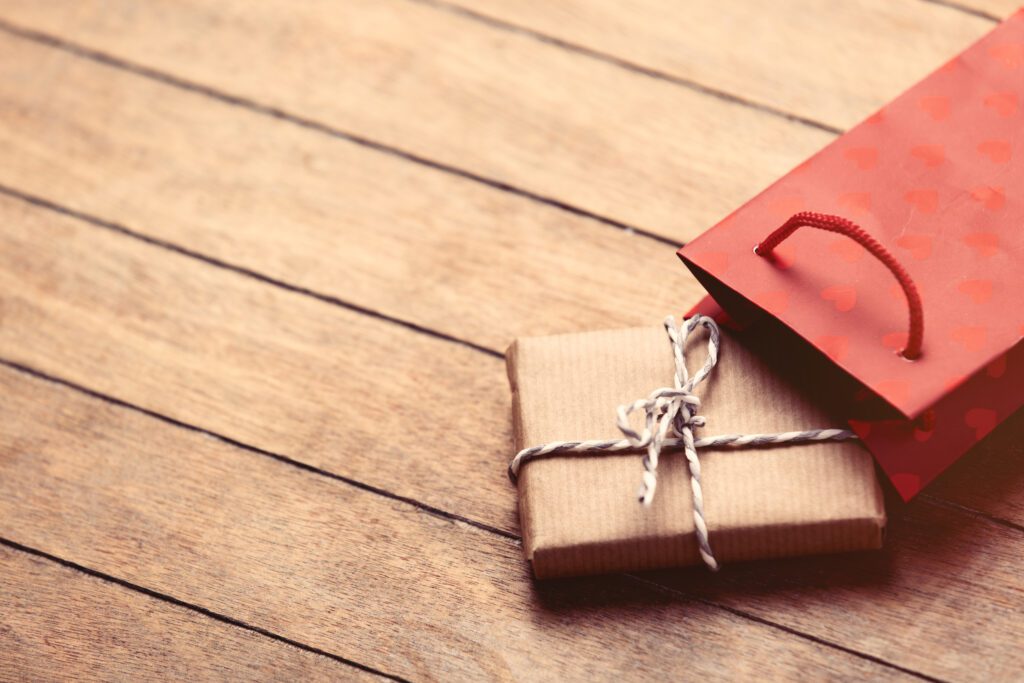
point(670, 416)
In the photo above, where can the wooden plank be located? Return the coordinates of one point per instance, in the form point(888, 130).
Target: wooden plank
point(342, 569)
point(998, 542)
point(279, 370)
point(364, 398)
point(60, 624)
point(992, 8)
point(935, 567)
point(319, 212)
point(496, 103)
point(325, 227)
point(831, 62)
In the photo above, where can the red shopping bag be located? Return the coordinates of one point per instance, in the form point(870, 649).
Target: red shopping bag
point(898, 252)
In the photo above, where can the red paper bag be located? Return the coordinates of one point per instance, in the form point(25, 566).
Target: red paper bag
point(937, 178)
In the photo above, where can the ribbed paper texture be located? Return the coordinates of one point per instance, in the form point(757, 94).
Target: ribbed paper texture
point(579, 513)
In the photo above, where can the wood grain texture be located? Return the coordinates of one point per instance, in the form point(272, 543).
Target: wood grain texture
point(320, 212)
point(953, 581)
point(446, 253)
point(994, 8)
point(58, 624)
point(173, 334)
point(831, 62)
point(343, 569)
point(354, 572)
point(415, 415)
point(639, 150)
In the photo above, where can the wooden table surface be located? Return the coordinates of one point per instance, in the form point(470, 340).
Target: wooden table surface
point(258, 265)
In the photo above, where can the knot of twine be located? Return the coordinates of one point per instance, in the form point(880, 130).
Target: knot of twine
point(670, 417)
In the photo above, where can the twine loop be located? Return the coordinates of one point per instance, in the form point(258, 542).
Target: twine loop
point(670, 416)
point(670, 412)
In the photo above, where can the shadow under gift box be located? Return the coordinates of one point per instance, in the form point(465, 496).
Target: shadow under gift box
point(579, 512)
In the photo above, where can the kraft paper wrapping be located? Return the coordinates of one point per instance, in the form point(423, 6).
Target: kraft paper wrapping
point(579, 513)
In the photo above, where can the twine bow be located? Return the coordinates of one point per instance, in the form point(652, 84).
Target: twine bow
point(669, 419)
point(672, 408)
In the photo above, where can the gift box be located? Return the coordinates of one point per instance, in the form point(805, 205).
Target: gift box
point(580, 512)
point(897, 253)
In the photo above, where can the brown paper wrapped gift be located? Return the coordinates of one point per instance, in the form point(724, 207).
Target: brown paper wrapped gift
point(579, 512)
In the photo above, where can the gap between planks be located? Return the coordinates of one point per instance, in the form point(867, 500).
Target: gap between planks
point(289, 461)
point(323, 297)
point(622, 63)
point(653, 71)
point(198, 609)
point(318, 126)
point(973, 11)
point(123, 231)
point(278, 113)
point(256, 450)
point(479, 17)
point(233, 443)
point(35, 208)
point(657, 214)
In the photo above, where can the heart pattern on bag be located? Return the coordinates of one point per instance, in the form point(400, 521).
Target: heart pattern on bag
point(931, 155)
point(1004, 103)
point(926, 201)
point(992, 197)
point(855, 203)
point(864, 157)
point(980, 291)
point(843, 297)
point(922, 435)
point(919, 246)
point(998, 151)
point(936, 179)
point(937, 106)
point(982, 421)
point(833, 346)
point(1010, 55)
point(895, 340)
point(906, 483)
point(983, 243)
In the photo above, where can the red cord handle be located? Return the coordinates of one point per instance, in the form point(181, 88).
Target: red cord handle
point(840, 225)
